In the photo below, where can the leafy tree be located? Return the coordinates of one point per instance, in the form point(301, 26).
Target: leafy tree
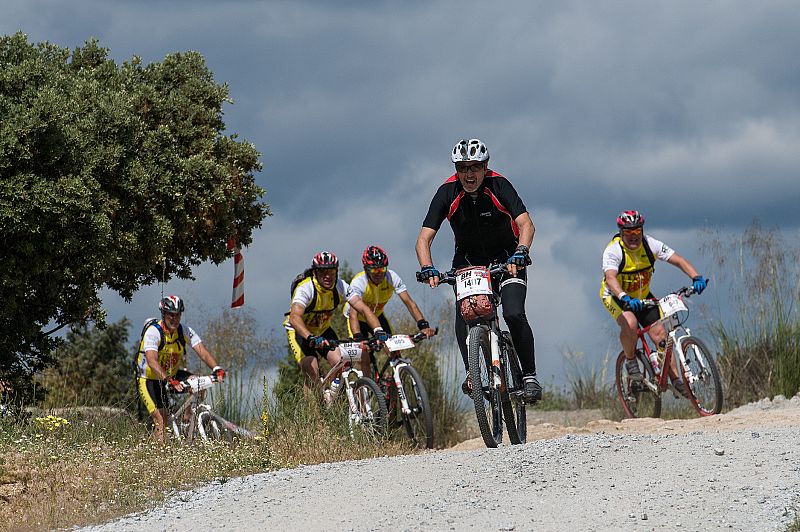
point(110, 176)
point(93, 367)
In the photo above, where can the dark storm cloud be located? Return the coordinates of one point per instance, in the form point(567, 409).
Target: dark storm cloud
point(688, 111)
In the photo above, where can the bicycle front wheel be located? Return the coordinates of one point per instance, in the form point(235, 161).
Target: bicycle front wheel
point(484, 395)
point(369, 407)
point(211, 428)
point(512, 399)
point(701, 375)
point(418, 423)
point(637, 399)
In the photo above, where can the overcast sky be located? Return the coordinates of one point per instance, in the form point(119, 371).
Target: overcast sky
point(685, 110)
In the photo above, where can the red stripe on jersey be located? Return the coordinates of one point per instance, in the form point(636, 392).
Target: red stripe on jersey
point(502, 209)
point(454, 205)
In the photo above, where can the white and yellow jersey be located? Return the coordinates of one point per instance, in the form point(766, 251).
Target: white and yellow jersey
point(634, 267)
point(171, 355)
point(319, 304)
point(375, 296)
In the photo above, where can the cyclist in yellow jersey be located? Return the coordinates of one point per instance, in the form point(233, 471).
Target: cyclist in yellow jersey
point(308, 322)
point(628, 266)
point(160, 361)
point(376, 285)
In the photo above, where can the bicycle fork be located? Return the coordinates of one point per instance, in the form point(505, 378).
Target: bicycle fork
point(497, 379)
point(401, 392)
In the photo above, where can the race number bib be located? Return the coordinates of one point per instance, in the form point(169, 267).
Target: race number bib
point(473, 281)
point(671, 304)
point(351, 351)
point(398, 342)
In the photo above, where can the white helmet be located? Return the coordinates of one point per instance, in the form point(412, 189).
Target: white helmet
point(470, 150)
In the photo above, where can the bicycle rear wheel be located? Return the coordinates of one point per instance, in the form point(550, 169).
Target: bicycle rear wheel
point(637, 399)
point(419, 422)
point(369, 407)
point(513, 402)
point(701, 376)
point(484, 396)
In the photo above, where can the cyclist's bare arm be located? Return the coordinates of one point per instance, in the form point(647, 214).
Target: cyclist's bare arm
point(526, 232)
point(423, 248)
point(685, 266)
point(613, 283)
point(296, 321)
point(526, 229)
point(414, 310)
point(364, 310)
point(206, 356)
point(352, 318)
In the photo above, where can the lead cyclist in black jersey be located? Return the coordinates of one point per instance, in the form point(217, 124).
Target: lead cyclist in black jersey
point(490, 224)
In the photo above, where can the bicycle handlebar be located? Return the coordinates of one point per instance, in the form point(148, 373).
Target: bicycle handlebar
point(686, 291)
point(449, 277)
point(196, 383)
point(373, 343)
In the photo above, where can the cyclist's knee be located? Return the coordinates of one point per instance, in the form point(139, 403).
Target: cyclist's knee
point(627, 323)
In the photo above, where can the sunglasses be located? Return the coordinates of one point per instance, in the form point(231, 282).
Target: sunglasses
point(376, 271)
point(464, 168)
point(637, 231)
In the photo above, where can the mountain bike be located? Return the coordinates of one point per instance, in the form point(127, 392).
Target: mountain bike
point(190, 418)
point(406, 396)
point(365, 402)
point(683, 351)
point(494, 367)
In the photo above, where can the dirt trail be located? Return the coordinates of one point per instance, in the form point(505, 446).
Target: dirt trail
point(544, 425)
point(737, 471)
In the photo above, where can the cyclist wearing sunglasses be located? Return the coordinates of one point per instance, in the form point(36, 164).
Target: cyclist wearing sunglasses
point(490, 224)
point(375, 286)
point(628, 265)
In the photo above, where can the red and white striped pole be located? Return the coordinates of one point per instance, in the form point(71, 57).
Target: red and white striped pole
point(237, 299)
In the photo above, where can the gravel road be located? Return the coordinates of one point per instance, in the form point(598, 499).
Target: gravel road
point(738, 471)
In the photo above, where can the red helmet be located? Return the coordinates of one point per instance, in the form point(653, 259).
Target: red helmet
point(171, 305)
point(324, 259)
point(374, 257)
point(630, 220)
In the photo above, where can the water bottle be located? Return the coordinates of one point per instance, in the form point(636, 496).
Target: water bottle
point(654, 362)
point(335, 386)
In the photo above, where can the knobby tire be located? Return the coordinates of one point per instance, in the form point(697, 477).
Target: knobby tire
point(705, 393)
point(490, 420)
point(636, 398)
point(371, 406)
point(512, 399)
point(419, 423)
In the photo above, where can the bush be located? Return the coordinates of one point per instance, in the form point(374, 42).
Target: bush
point(93, 368)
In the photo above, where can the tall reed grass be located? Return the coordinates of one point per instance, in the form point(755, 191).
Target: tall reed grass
point(758, 326)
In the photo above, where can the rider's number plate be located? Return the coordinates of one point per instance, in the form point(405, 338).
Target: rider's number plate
point(351, 350)
point(399, 342)
point(671, 304)
point(472, 281)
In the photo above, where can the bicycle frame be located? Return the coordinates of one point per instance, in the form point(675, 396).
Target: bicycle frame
point(396, 362)
point(673, 327)
point(343, 369)
point(199, 412)
point(493, 323)
point(193, 402)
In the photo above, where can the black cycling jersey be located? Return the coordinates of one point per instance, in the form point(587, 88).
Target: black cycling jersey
point(484, 223)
